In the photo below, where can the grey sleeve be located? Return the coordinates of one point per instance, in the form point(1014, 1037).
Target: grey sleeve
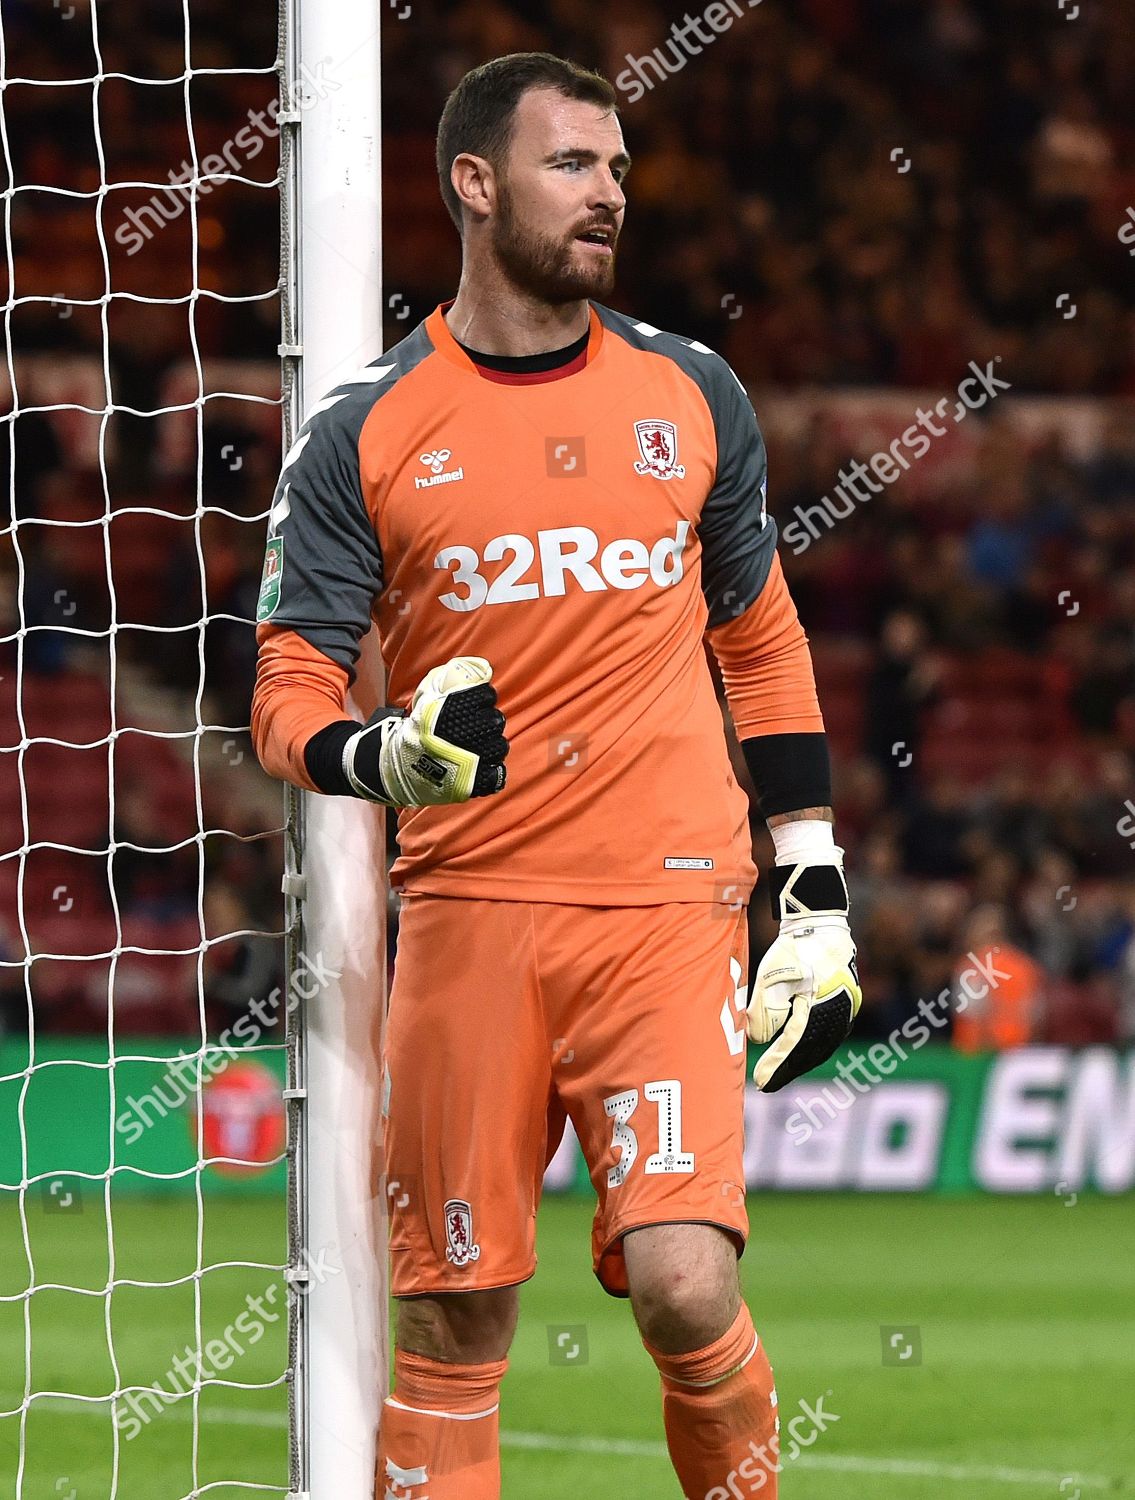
point(323, 564)
point(738, 536)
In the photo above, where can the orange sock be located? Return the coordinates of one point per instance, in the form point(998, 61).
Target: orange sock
point(439, 1434)
point(719, 1407)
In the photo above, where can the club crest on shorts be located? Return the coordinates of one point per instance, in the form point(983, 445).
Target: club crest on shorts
point(460, 1246)
point(658, 444)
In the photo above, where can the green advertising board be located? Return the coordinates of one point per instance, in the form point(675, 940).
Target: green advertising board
point(77, 1117)
point(1036, 1120)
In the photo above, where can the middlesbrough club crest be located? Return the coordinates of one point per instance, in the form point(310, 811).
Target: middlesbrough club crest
point(460, 1247)
point(658, 444)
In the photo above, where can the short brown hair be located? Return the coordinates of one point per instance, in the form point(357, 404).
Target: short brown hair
point(479, 112)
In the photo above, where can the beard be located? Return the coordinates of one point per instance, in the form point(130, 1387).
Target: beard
point(544, 266)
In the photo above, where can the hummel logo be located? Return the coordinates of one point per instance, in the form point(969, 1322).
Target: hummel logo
point(436, 461)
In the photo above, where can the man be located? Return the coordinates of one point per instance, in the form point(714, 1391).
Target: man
point(999, 999)
point(534, 488)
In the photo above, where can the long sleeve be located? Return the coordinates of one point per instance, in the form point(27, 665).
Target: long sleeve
point(766, 665)
point(299, 691)
point(323, 571)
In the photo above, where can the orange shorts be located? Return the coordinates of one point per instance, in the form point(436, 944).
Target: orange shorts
point(506, 1017)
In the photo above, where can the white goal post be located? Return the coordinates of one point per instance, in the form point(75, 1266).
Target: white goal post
point(336, 877)
point(85, 721)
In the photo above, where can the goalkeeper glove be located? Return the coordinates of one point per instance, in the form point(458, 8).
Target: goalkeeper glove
point(806, 993)
point(448, 748)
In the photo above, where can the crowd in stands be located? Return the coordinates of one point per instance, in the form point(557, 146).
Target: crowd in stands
point(834, 191)
point(973, 625)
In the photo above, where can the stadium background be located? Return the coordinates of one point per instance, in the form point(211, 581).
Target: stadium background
point(849, 199)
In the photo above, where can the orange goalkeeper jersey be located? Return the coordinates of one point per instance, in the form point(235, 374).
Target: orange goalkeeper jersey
point(582, 531)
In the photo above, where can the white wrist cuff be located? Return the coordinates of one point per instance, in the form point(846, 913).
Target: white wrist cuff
point(808, 841)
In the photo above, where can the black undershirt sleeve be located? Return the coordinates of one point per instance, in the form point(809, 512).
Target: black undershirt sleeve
point(789, 771)
point(323, 758)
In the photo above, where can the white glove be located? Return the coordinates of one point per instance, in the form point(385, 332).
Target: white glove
point(806, 992)
point(450, 746)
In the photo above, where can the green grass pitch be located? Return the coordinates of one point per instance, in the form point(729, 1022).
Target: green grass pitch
point(1024, 1311)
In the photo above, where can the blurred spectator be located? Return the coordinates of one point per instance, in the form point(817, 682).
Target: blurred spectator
point(240, 967)
point(150, 879)
point(13, 996)
point(935, 844)
point(998, 990)
point(902, 684)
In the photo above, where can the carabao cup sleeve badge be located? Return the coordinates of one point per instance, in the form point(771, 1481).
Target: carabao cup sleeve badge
point(271, 579)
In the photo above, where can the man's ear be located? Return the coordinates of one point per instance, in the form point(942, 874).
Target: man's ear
point(474, 182)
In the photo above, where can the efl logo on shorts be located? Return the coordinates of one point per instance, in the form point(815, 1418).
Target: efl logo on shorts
point(460, 1247)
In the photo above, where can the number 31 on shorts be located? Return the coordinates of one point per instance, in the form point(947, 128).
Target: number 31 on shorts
point(666, 1093)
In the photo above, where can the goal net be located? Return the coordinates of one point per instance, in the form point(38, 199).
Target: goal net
point(191, 1299)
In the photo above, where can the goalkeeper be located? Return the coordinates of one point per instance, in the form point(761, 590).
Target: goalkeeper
point(547, 507)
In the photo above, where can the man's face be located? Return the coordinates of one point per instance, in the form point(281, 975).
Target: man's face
point(566, 162)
